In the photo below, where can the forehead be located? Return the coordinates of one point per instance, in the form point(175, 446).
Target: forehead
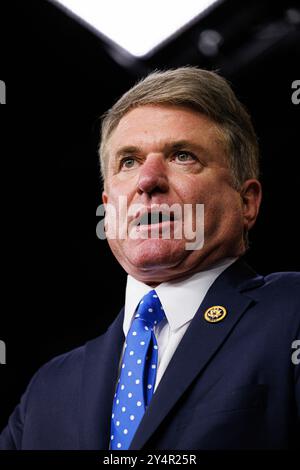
point(156, 124)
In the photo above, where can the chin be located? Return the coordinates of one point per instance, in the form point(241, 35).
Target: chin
point(151, 254)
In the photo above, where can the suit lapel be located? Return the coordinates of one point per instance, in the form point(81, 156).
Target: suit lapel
point(202, 339)
point(98, 386)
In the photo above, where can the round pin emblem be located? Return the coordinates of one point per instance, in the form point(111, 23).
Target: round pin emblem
point(215, 314)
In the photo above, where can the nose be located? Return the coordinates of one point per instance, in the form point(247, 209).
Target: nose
point(153, 176)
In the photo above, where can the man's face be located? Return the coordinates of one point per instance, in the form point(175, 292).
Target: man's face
point(161, 154)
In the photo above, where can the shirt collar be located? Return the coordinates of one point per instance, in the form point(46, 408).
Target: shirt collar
point(179, 298)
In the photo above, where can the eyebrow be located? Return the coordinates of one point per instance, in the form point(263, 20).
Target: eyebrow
point(127, 149)
point(168, 147)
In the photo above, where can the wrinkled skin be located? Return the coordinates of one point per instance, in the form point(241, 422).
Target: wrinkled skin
point(145, 165)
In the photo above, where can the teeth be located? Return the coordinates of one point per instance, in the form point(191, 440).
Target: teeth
point(165, 217)
point(155, 218)
point(144, 220)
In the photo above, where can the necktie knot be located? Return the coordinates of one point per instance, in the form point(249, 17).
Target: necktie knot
point(150, 309)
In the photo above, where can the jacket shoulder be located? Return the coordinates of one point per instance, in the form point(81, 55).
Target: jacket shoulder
point(279, 296)
point(284, 281)
point(57, 381)
point(65, 365)
point(49, 393)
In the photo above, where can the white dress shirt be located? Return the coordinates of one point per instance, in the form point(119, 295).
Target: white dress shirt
point(180, 300)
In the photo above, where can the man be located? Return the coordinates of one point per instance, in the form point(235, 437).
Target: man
point(201, 355)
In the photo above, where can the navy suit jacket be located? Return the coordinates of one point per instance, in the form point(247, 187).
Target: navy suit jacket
point(229, 385)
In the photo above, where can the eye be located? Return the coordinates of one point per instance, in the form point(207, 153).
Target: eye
point(184, 157)
point(127, 163)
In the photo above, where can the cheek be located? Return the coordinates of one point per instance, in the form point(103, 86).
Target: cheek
point(118, 192)
point(223, 212)
point(189, 189)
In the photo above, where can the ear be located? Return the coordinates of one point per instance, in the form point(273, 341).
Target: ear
point(104, 198)
point(251, 194)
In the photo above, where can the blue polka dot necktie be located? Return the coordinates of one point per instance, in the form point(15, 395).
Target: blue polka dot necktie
point(138, 372)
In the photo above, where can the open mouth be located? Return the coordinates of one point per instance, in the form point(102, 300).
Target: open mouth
point(155, 217)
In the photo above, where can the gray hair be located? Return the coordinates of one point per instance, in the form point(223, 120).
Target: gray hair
point(205, 92)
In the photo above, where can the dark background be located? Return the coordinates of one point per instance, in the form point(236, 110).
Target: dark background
point(60, 285)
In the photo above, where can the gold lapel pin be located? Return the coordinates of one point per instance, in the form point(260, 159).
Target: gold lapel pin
point(215, 314)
